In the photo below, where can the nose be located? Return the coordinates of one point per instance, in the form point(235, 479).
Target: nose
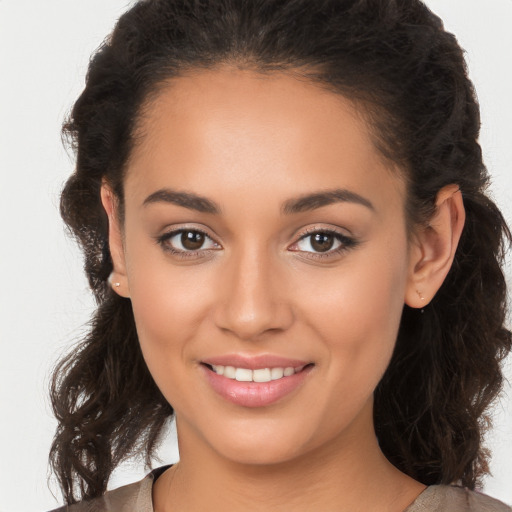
point(253, 297)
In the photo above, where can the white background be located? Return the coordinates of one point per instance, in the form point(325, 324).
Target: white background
point(44, 300)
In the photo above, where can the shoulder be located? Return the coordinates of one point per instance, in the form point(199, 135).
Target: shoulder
point(136, 496)
point(441, 498)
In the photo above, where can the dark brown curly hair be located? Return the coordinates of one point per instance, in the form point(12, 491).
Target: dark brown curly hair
point(394, 58)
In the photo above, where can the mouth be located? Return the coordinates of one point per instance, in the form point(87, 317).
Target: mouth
point(255, 382)
point(257, 375)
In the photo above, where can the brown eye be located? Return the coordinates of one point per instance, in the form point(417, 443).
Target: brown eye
point(192, 240)
point(187, 241)
point(322, 242)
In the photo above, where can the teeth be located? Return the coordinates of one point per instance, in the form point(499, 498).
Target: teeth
point(289, 371)
point(219, 370)
point(229, 372)
point(276, 373)
point(243, 375)
point(259, 375)
point(262, 375)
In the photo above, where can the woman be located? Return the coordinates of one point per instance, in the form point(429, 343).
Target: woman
point(283, 212)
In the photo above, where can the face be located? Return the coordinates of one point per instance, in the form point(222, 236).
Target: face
point(266, 257)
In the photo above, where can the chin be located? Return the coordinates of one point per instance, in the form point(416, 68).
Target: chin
point(260, 456)
point(263, 443)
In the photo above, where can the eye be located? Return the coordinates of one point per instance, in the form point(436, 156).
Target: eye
point(187, 242)
point(318, 242)
point(323, 243)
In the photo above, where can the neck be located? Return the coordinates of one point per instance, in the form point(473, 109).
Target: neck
point(347, 474)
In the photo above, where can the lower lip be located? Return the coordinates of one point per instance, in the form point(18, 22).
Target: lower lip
point(254, 394)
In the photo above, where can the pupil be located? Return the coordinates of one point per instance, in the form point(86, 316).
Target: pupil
point(322, 242)
point(192, 240)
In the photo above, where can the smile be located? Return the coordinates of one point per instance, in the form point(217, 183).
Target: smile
point(258, 375)
point(257, 381)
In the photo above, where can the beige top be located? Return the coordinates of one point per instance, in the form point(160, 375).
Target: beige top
point(137, 497)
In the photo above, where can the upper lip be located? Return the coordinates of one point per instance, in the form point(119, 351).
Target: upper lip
point(254, 362)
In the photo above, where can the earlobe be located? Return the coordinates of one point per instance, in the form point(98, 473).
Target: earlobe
point(117, 279)
point(433, 250)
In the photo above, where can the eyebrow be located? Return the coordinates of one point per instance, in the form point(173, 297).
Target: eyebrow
point(324, 198)
point(300, 204)
point(186, 199)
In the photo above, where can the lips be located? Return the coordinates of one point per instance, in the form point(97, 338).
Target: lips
point(256, 381)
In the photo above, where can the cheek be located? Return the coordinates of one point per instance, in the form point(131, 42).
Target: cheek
point(356, 313)
point(169, 309)
point(168, 303)
point(165, 296)
point(167, 318)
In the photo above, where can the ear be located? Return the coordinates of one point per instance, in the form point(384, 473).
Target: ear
point(432, 251)
point(118, 279)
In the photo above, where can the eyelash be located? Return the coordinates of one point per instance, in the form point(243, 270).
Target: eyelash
point(178, 252)
point(346, 243)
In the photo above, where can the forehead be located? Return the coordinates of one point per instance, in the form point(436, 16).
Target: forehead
point(275, 101)
point(251, 131)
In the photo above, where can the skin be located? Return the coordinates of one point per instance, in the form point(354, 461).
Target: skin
point(258, 286)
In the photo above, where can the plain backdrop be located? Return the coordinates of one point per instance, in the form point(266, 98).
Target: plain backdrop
point(44, 300)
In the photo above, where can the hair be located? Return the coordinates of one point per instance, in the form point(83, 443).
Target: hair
point(395, 59)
